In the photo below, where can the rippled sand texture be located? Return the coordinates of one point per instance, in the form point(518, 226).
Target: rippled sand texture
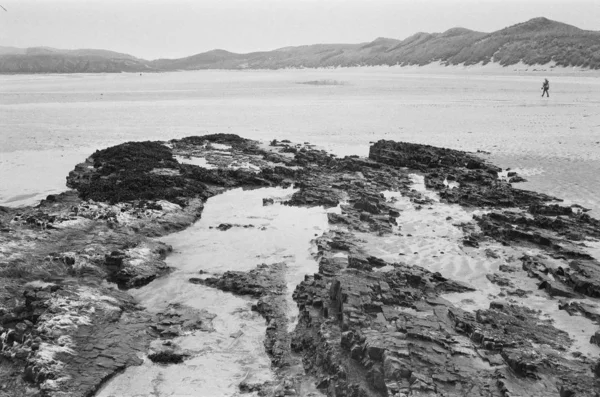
point(556, 139)
point(234, 352)
point(430, 236)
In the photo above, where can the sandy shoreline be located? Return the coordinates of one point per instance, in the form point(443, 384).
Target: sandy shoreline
point(497, 111)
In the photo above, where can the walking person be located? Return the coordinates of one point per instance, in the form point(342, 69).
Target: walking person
point(546, 88)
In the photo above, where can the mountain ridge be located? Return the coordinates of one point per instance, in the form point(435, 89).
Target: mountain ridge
point(536, 41)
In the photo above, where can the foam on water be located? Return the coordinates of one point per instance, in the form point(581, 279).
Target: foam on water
point(219, 361)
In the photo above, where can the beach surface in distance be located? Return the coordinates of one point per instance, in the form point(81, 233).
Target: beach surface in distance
point(50, 122)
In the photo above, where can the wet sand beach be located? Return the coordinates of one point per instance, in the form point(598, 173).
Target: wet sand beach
point(50, 122)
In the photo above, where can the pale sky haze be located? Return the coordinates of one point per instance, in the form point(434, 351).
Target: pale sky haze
point(177, 28)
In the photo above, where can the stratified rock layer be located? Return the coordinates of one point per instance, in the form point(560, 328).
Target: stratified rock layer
point(519, 217)
point(367, 327)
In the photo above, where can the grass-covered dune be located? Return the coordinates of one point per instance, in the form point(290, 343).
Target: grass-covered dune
point(537, 41)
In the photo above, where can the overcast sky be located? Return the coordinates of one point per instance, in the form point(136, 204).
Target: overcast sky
point(175, 28)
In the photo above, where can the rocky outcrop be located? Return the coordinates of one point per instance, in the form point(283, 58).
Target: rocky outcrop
point(368, 326)
point(390, 333)
point(460, 177)
point(519, 217)
point(374, 333)
point(61, 329)
point(67, 337)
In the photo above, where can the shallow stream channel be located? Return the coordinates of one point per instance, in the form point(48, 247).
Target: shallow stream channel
point(232, 353)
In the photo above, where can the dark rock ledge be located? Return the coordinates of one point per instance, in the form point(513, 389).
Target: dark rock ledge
point(63, 329)
point(364, 332)
point(361, 332)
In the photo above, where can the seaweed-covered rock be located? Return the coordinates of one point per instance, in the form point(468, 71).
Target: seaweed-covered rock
point(476, 181)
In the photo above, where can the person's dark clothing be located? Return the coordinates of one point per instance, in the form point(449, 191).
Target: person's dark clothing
point(546, 88)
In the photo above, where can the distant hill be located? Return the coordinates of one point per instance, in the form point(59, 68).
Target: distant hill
point(53, 60)
point(82, 53)
point(60, 63)
point(12, 50)
point(537, 41)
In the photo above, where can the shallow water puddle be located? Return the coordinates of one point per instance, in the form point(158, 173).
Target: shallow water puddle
point(28, 176)
point(234, 352)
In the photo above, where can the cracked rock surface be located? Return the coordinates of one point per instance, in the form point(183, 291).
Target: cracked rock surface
point(369, 324)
